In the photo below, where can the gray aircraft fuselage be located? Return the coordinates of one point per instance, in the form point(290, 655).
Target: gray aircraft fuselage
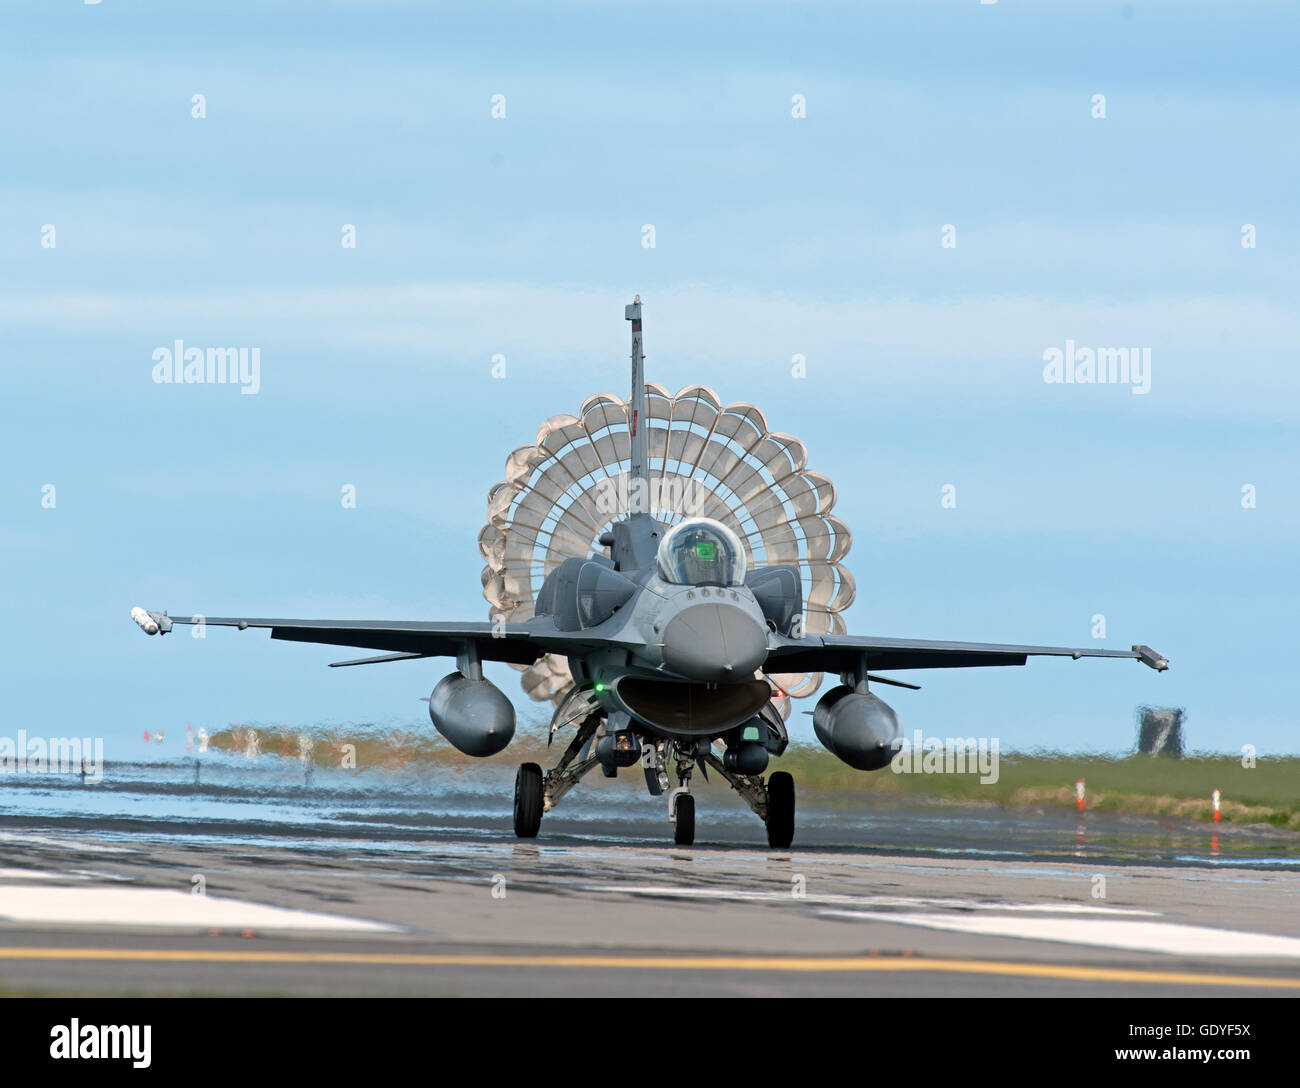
point(676, 659)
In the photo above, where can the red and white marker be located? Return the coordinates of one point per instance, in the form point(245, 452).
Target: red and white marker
point(1216, 806)
point(1078, 793)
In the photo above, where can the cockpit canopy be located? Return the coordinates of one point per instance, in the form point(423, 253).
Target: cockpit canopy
point(702, 552)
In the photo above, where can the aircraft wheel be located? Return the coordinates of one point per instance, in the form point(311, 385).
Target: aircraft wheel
point(528, 801)
point(684, 829)
point(780, 810)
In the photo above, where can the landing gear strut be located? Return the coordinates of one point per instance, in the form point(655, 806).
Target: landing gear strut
point(536, 793)
point(681, 805)
point(772, 802)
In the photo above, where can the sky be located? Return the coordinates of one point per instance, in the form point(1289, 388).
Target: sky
point(805, 170)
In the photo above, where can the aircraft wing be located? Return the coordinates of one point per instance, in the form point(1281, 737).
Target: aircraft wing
point(513, 642)
point(841, 653)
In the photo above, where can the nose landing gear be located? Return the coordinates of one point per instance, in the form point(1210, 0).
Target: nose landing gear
point(683, 817)
point(681, 805)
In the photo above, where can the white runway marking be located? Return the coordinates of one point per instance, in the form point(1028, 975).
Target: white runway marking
point(21, 875)
point(161, 907)
point(1168, 937)
point(75, 844)
point(865, 900)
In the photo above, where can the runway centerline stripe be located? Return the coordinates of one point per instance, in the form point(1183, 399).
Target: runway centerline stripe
point(807, 964)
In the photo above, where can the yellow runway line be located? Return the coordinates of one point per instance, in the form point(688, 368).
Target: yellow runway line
point(804, 964)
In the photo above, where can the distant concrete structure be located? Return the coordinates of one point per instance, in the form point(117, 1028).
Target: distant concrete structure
point(1160, 731)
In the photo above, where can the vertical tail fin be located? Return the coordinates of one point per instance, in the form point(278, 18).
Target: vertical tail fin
point(637, 422)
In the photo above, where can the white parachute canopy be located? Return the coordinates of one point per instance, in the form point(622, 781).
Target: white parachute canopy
point(561, 493)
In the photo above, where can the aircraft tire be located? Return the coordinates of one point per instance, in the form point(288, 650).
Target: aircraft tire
point(780, 810)
point(528, 801)
point(684, 828)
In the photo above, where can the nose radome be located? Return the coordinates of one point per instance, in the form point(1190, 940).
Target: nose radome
point(714, 642)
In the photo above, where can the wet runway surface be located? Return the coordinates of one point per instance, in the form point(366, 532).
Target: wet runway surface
point(410, 883)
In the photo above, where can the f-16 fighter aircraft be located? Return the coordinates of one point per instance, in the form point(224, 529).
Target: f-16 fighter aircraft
point(676, 636)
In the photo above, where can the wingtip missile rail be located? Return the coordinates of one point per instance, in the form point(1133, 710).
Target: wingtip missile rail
point(151, 623)
point(1150, 658)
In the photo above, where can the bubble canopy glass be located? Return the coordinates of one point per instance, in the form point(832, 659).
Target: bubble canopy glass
point(702, 552)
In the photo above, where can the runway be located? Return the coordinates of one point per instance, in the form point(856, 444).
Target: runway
point(371, 886)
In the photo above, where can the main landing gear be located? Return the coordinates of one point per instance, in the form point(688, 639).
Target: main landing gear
point(780, 810)
point(772, 800)
point(528, 801)
point(537, 793)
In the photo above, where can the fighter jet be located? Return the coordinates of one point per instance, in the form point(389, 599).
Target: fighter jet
point(672, 636)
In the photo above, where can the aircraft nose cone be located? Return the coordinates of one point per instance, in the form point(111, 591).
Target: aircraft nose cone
point(714, 642)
